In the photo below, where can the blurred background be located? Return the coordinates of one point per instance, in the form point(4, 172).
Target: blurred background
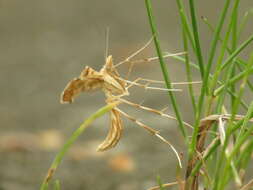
point(43, 45)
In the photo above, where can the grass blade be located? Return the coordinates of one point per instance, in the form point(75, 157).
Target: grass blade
point(71, 140)
point(164, 68)
point(196, 38)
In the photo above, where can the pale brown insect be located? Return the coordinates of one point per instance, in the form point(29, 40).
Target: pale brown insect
point(108, 80)
point(114, 87)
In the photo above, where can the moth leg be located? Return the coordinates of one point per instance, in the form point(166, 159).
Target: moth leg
point(155, 111)
point(146, 85)
point(162, 82)
point(152, 131)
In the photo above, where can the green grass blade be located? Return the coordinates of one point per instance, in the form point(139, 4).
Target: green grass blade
point(185, 24)
point(242, 86)
point(71, 140)
point(188, 71)
point(205, 77)
point(218, 66)
point(245, 19)
point(159, 181)
point(164, 68)
point(233, 80)
point(196, 38)
point(214, 42)
point(57, 185)
point(234, 45)
point(239, 62)
point(248, 133)
point(218, 90)
point(237, 51)
point(236, 150)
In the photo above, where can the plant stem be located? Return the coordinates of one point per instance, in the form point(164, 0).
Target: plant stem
point(71, 140)
point(164, 68)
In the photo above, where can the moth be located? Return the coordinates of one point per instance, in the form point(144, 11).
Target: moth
point(115, 88)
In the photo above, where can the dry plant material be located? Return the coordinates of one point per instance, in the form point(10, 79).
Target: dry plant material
point(205, 125)
point(166, 185)
point(110, 82)
point(248, 186)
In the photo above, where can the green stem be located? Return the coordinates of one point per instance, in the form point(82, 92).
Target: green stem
point(196, 38)
point(185, 24)
point(71, 140)
point(237, 51)
point(216, 38)
point(188, 71)
point(164, 68)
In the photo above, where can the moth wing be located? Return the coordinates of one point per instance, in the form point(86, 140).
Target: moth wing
point(89, 80)
point(72, 89)
point(115, 132)
point(93, 79)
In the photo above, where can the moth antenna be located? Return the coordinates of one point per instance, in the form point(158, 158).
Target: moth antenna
point(152, 110)
point(107, 31)
point(146, 87)
point(135, 53)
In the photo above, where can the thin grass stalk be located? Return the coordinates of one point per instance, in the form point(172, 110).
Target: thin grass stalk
point(244, 21)
point(218, 65)
point(222, 96)
point(242, 89)
point(210, 151)
point(214, 146)
point(241, 140)
point(236, 78)
point(237, 51)
point(214, 42)
point(239, 62)
point(234, 45)
point(205, 85)
point(57, 185)
point(185, 23)
point(248, 81)
point(159, 181)
point(245, 156)
point(186, 33)
point(71, 140)
point(225, 158)
point(188, 70)
point(164, 68)
point(218, 90)
point(196, 38)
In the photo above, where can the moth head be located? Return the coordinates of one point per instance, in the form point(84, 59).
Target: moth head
point(88, 72)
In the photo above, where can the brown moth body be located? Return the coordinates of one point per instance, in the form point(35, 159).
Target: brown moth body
point(108, 80)
point(89, 80)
